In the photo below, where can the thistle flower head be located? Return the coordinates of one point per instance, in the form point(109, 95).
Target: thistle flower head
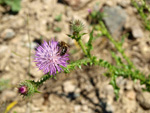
point(49, 59)
point(23, 90)
point(77, 26)
point(89, 10)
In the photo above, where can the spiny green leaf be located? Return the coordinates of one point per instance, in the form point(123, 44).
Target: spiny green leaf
point(77, 63)
point(116, 88)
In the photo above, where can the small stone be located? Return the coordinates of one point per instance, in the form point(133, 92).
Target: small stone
point(32, 46)
point(128, 105)
point(38, 102)
point(108, 90)
point(77, 4)
point(77, 108)
point(115, 19)
point(84, 107)
point(144, 49)
point(124, 3)
point(8, 95)
point(69, 87)
point(129, 85)
point(4, 56)
point(131, 95)
point(121, 81)
point(18, 24)
point(137, 87)
point(109, 108)
point(143, 99)
point(137, 32)
point(7, 34)
point(109, 3)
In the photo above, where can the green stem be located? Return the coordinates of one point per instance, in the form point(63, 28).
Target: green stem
point(118, 47)
point(70, 66)
point(28, 33)
point(82, 46)
point(43, 79)
point(122, 71)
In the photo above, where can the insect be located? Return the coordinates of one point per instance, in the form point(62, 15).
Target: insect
point(63, 47)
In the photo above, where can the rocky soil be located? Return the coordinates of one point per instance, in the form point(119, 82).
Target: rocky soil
point(81, 91)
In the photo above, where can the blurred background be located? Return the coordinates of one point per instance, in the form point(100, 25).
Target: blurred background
point(26, 23)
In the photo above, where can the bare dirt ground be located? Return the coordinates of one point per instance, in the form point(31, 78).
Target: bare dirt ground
point(81, 91)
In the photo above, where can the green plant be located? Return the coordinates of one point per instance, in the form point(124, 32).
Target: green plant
point(126, 70)
point(14, 4)
point(141, 10)
point(57, 29)
point(58, 17)
point(95, 14)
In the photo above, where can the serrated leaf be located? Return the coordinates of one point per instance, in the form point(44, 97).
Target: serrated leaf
point(116, 88)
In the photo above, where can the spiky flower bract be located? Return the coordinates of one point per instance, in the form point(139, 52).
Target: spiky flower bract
point(48, 58)
point(77, 26)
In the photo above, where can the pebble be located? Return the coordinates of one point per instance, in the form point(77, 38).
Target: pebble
point(124, 3)
point(109, 108)
point(115, 19)
point(120, 81)
point(128, 85)
point(134, 25)
point(144, 49)
point(33, 45)
point(128, 105)
point(109, 3)
point(4, 56)
point(144, 99)
point(137, 32)
point(108, 90)
point(18, 24)
point(68, 86)
point(77, 4)
point(8, 95)
point(131, 95)
point(8, 34)
point(77, 108)
point(38, 102)
point(84, 108)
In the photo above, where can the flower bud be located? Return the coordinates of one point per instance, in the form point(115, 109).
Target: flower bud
point(23, 90)
point(101, 10)
point(77, 26)
point(89, 10)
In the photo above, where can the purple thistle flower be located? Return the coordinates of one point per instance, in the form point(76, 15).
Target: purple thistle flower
point(48, 58)
point(23, 90)
point(89, 10)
